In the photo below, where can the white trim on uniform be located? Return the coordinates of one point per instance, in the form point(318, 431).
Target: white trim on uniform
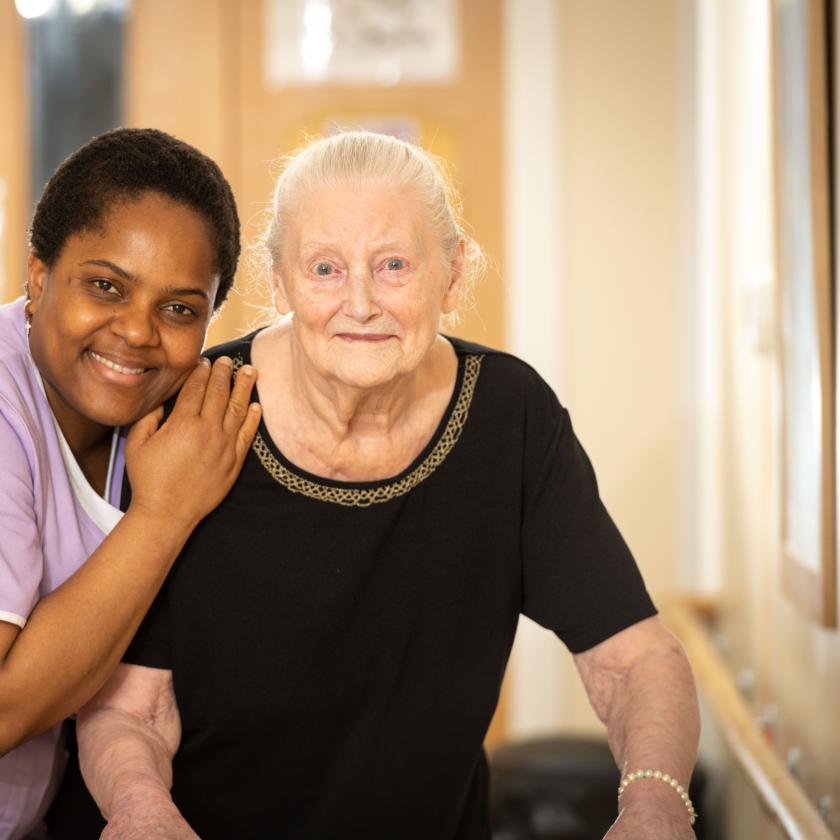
point(104, 515)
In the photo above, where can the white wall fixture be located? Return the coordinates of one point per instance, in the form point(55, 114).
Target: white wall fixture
point(360, 42)
point(81, 7)
point(532, 223)
point(758, 311)
point(702, 327)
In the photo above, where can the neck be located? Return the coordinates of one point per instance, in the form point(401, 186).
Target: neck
point(349, 411)
point(90, 442)
point(349, 433)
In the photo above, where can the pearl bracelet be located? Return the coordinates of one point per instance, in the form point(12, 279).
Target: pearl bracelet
point(662, 777)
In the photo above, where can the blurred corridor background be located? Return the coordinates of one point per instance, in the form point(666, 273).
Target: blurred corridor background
point(619, 164)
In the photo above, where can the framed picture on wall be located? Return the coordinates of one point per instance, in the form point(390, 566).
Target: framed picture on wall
point(804, 246)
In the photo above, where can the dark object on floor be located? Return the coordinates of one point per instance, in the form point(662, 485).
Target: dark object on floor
point(559, 789)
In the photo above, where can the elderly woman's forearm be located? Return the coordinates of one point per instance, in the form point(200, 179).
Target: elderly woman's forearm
point(655, 722)
point(126, 763)
point(654, 725)
point(642, 688)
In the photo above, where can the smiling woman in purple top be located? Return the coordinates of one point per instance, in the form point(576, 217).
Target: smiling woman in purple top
point(134, 244)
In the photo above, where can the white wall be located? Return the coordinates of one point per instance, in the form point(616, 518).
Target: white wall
point(593, 226)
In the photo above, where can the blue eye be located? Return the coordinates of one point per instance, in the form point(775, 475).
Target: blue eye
point(395, 264)
point(323, 269)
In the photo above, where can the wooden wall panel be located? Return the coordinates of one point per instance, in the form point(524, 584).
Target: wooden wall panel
point(182, 70)
point(14, 158)
point(176, 57)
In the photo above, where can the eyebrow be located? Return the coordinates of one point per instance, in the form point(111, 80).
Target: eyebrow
point(377, 247)
point(180, 291)
point(112, 267)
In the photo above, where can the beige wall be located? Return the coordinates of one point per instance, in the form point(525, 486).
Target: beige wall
point(622, 238)
point(617, 262)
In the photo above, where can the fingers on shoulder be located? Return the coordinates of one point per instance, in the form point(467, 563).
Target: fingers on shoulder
point(248, 430)
point(240, 396)
point(217, 393)
point(191, 396)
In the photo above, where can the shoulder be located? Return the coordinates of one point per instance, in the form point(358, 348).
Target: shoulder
point(237, 348)
point(22, 402)
point(506, 372)
point(12, 333)
point(498, 359)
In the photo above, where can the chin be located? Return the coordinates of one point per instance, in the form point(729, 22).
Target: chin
point(361, 370)
point(111, 415)
point(366, 378)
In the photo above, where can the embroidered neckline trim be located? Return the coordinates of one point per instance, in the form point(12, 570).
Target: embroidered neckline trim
point(367, 496)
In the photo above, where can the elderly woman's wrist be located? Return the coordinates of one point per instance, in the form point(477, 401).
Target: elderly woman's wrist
point(139, 794)
point(658, 799)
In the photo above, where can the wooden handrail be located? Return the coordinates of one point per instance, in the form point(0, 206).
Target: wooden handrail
point(778, 790)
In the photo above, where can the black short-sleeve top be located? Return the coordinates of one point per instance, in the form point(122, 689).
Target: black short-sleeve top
point(337, 648)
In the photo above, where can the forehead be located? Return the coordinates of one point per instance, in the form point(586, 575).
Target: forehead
point(153, 217)
point(361, 212)
point(148, 236)
point(150, 209)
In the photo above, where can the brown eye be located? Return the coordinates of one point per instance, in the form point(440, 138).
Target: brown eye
point(180, 309)
point(104, 286)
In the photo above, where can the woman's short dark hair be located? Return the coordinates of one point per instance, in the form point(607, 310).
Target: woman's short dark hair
point(122, 164)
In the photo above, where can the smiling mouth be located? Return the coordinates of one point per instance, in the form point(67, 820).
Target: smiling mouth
point(130, 371)
point(364, 336)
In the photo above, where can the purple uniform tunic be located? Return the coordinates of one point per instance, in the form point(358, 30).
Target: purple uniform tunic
point(51, 521)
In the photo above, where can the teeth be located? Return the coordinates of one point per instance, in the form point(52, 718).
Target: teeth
point(114, 365)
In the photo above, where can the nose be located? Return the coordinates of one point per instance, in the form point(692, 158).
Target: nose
point(136, 325)
point(360, 302)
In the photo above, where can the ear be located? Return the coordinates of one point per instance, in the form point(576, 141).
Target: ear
point(452, 293)
point(37, 277)
point(281, 299)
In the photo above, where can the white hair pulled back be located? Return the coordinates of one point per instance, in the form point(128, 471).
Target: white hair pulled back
point(366, 156)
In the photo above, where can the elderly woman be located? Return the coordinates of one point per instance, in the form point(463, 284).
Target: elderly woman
point(326, 656)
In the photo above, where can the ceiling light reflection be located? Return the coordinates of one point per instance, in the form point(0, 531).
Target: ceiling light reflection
point(81, 7)
point(316, 42)
point(35, 8)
